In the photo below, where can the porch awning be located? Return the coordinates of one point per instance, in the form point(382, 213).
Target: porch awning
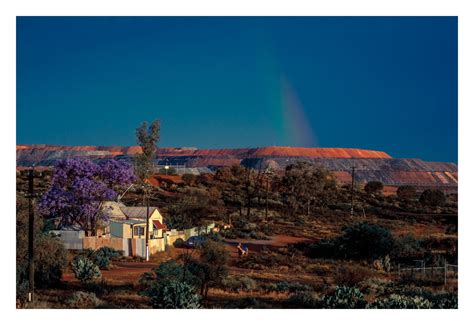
point(159, 225)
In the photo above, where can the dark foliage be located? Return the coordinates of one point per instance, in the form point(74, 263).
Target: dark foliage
point(373, 187)
point(50, 255)
point(366, 241)
point(406, 192)
point(433, 198)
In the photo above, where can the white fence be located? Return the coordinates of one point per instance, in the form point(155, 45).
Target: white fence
point(429, 272)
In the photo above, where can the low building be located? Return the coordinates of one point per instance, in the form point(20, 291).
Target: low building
point(133, 223)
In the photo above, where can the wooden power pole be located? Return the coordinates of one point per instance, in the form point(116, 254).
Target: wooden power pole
point(31, 235)
point(352, 192)
point(147, 227)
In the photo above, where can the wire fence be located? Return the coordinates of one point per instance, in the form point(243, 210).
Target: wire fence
point(424, 272)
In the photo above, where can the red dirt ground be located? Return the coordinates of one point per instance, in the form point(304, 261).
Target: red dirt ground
point(131, 271)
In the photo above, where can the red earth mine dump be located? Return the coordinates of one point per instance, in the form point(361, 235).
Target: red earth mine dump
point(370, 165)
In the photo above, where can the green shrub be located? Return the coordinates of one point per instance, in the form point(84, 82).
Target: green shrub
point(50, 254)
point(291, 286)
point(432, 198)
point(344, 298)
point(50, 260)
point(81, 299)
point(268, 287)
point(444, 300)
point(395, 301)
point(366, 241)
point(326, 248)
point(84, 269)
point(407, 248)
point(246, 303)
point(237, 284)
point(173, 295)
point(351, 275)
point(406, 192)
point(304, 299)
point(188, 178)
point(373, 187)
point(178, 243)
point(167, 271)
point(101, 260)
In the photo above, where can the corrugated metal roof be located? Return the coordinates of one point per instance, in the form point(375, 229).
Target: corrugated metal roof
point(130, 221)
point(137, 212)
point(113, 209)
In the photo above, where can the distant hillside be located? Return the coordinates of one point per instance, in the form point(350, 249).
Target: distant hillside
point(369, 164)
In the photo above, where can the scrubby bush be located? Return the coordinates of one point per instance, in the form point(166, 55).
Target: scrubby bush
point(395, 301)
point(189, 179)
point(444, 300)
point(366, 241)
point(375, 286)
point(81, 299)
point(351, 275)
point(211, 268)
point(407, 248)
point(344, 298)
point(246, 303)
point(167, 271)
point(304, 299)
point(50, 260)
point(50, 254)
point(326, 248)
point(102, 256)
point(178, 243)
point(373, 187)
point(215, 236)
point(291, 286)
point(173, 295)
point(406, 192)
point(84, 269)
point(432, 197)
point(237, 284)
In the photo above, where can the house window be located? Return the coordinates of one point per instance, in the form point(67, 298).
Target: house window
point(138, 231)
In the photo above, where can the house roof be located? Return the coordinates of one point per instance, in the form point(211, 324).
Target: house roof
point(137, 212)
point(113, 210)
point(159, 225)
point(132, 222)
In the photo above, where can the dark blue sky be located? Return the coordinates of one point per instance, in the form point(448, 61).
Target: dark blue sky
point(384, 83)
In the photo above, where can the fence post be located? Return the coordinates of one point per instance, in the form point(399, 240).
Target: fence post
point(399, 272)
point(445, 272)
point(424, 270)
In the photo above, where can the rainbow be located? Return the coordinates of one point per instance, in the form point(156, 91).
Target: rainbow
point(289, 119)
point(297, 129)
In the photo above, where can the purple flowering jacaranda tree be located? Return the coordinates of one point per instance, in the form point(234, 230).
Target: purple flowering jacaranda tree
point(80, 187)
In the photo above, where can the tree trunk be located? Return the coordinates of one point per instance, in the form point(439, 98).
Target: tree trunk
point(93, 227)
point(203, 286)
